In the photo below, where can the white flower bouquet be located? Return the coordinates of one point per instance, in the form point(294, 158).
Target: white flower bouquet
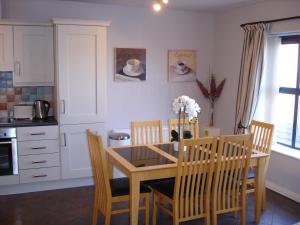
point(184, 106)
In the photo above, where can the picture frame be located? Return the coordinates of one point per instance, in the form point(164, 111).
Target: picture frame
point(130, 64)
point(182, 65)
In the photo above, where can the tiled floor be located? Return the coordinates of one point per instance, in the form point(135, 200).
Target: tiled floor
point(73, 207)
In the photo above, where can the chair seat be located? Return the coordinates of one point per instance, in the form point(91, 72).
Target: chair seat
point(149, 183)
point(165, 187)
point(251, 173)
point(120, 187)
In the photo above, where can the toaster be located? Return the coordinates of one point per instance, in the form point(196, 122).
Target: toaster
point(23, 111)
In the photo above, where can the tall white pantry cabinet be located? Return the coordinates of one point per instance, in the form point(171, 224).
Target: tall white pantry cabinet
point(81, 90)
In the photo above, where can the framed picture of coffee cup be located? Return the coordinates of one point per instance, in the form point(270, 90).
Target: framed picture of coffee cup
point(130, 64)
point(182, 65)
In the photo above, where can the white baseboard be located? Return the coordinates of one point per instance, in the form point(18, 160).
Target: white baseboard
point(283, 191)
point(45, 186)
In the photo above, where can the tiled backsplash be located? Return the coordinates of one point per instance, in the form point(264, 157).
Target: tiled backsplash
point(9, 95)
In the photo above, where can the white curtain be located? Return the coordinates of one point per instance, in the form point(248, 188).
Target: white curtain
point(268, 96)
point(268, 108)
point(250, 74)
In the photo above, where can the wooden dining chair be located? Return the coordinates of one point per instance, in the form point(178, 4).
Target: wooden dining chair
point(109, 191)
point(262, 140)
point(187, 193)
point(192, 126)
point(230, 176)
point(146, 132)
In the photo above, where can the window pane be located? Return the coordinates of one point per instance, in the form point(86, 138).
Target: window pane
point(288, 63)
point(285, 116)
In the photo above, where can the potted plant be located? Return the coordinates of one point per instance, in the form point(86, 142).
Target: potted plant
point(184, 106)
point(212, 94)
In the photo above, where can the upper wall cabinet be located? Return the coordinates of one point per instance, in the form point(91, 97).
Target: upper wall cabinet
point(81, 73)
point(6, 48)
point(33, 56)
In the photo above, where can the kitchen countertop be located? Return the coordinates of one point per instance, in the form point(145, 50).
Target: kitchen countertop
point(50, 121)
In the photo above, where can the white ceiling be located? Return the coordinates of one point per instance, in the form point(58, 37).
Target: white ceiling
point(196, 5)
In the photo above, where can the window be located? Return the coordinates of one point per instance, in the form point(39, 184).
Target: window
point(288, 121)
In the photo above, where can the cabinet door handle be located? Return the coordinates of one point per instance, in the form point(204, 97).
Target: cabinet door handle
point(41, 133)
point(37, 148)
point(37, 176)
point(63, 106)
point(37, 162)
point(17, 69)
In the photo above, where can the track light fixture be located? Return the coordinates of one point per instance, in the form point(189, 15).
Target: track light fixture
point(158, 4)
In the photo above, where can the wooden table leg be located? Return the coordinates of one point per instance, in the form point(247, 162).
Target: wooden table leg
point(134, 199)
point(258, 193)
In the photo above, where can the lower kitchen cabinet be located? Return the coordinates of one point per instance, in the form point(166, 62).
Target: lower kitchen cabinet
point(38, 151)
point(38, 161)
point(75, 159)
point(38, 175)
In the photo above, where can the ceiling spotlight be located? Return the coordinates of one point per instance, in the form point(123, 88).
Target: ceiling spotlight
point(165, 1)
point(156, 6)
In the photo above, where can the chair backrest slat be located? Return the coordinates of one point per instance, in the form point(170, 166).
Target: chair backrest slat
point(146, 132)
point(194, 176)
point(230, 174)
point(262, 135)
point(192, 126)
point(100, 170)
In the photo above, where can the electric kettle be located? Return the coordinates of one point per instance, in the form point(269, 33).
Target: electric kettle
point(41, 109)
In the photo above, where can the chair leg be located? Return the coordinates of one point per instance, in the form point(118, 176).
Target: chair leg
point(264, 199)
point(208, 211)
point(175, 215)
point(154, 208)
point(243, 210)
point(95, 215)
point(147, 202)
point(243, 216)
point(95, 209)
point(207, 219)
point(214, 215)
point(214, 219)
point(107, 218)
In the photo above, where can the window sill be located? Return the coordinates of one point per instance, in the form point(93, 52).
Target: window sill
point(286, 151)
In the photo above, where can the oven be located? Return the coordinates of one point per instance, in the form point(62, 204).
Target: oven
point(8, 152)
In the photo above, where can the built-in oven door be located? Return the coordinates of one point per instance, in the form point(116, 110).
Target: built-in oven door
point(8, 157)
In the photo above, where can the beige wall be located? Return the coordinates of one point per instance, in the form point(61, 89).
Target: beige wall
point(138, 28)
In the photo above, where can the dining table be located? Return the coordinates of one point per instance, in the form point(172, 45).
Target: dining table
point(156, 161)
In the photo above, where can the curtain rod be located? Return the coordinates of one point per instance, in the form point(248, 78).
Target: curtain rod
point(271, 21)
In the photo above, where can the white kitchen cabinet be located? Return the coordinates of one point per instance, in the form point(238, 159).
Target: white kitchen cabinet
point(33, 56)
point(38, 161)
point(38, 147)
point(6, 48)
point(39, 175)
point(81, 73)
point(38, 151)
point(37, 133)
point(74, 149)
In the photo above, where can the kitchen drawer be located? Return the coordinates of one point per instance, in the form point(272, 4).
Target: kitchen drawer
point(37, 175)
point(38, 161)
point(38, 147)
point(37, 133)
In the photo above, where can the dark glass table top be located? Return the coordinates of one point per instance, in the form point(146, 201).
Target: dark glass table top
point(168, 148)
point(141, 156)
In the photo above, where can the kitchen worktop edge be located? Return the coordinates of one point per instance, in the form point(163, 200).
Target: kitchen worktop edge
point(50, 121)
